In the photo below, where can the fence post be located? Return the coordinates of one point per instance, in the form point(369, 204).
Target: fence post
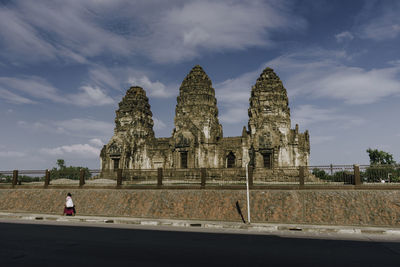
point(159, 176)
point(47, 179)
point(119, 177)
point(357, 176)
point(81, 177)
point(250, 169)
point(301, 176)
point(203, 177)
point(15, 178)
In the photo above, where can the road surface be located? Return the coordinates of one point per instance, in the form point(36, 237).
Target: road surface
point(24, 244)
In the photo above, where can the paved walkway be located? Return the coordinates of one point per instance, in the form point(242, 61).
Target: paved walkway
point(267, 228)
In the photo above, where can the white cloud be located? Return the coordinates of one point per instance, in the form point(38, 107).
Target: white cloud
point(20, 38)
point(14, 98)
point(383, 22)
point(381, 32)
point(344, 36)
point(235, 115)
point(155, 89)
point(12, 154)
point(39, 88)
point(48, 30)
point(316, 140)
point(158, 124)
point(82, 127)
point(122, 78)
point(90, 96)
point(96, 142)
point(102, 76)
point(79, 127)
point(237, 89)
point(233, 96)
point(164, 31)
point(313, 74)
point(33, 86)
point(358, 86)
point(43, 126)
point(325, 76)
point(306, 115)
point(81, 150)
point(184, 30)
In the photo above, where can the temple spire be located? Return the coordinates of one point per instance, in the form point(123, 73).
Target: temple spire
point(269, 104)
point(196, 108)
point(134, 116)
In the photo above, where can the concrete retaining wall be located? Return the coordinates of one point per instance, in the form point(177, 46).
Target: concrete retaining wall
point(337, 207)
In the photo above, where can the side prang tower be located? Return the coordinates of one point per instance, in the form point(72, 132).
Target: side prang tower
point(274, 144)
point(133, 134)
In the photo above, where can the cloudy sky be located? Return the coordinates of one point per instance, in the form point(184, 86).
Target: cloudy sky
point(65, 65)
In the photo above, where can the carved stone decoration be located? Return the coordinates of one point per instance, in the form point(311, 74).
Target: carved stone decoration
point(197, 140)
point(182, 141)
point(114, 150)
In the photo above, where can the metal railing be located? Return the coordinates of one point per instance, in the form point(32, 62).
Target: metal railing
point(331, 174)
point(380, 174)
point(334, 175)
point(23, 176)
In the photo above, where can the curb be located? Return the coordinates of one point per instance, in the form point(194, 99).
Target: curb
point(254, 227)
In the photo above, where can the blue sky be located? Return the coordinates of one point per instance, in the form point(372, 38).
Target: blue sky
point(65, 65)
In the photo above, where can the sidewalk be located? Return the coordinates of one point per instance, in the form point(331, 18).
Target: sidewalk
point(253, 227)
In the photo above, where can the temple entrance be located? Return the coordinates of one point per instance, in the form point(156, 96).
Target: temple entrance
point(184, 156)
point(116, 164)
point(230, 160)
point(267, 159)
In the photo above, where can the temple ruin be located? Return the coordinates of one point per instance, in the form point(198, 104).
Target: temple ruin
point(197, 140)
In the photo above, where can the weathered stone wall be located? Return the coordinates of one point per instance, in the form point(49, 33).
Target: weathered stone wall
point(339, 207)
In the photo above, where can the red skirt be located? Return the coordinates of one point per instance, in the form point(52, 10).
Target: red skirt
point(69, 211)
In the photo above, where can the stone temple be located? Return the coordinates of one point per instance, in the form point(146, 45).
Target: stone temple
point(197, 140)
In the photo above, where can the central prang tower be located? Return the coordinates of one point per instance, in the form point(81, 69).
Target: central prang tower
point(197, 129)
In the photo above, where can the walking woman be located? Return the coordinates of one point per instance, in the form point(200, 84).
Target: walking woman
point(69, 208)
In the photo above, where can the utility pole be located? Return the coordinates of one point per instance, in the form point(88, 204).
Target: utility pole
point(248, 193)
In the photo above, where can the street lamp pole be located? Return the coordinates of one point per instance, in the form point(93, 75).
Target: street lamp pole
point(248, 193)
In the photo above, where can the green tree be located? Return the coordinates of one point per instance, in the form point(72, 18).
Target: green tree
point(382, 167)
point(377, 157)
point(61, 164)
point(70, 172)
point(321, 174)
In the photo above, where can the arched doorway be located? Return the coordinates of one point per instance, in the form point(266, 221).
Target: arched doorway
point(267, 160)
point(115, 164)
point(184, 159)
point(230, 160)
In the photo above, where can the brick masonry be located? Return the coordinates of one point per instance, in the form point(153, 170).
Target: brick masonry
point(333, 207)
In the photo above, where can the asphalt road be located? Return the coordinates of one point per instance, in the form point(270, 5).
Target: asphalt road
point(60, 245)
